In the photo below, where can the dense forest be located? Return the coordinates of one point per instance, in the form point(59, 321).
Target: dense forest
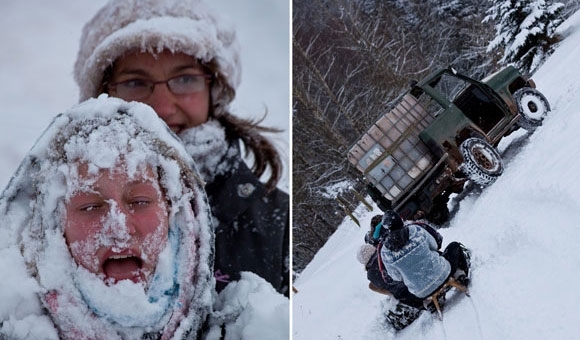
point(351, 59)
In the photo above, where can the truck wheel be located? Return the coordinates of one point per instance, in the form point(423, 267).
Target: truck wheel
point(439, 214)
point(482, 163)
point(532, 106)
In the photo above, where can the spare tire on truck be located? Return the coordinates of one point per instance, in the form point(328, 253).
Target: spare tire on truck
point(532, 107)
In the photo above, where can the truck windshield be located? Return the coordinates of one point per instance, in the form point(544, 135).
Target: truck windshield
point(475, 103)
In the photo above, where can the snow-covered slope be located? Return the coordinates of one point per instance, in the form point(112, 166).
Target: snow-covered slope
point(523, 232)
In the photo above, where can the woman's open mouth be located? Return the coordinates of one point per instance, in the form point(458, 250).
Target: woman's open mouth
point(123, 267)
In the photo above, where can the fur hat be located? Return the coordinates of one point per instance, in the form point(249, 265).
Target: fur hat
point(186, 26)
point(364, 253)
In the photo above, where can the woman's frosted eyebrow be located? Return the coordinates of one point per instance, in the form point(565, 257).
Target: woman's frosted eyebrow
point(85, 187)
point(186, 67)
point(147, 183)
point(138, 72)
point(135, 72)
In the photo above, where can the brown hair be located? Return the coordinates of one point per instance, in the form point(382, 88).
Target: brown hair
point(249, 131)
point(264, 152)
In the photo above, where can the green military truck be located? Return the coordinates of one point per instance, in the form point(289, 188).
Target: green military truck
point(440, 134)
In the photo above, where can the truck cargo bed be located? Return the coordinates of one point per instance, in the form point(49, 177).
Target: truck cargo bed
point(390, 154)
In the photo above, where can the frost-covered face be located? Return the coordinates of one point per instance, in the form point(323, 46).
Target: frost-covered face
point(116, 226)
point(179, 111)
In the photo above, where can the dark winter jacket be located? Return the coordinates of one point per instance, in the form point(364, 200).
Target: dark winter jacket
point(252, 231)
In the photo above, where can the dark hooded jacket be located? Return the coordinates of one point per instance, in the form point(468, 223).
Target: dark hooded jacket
point(252, 232)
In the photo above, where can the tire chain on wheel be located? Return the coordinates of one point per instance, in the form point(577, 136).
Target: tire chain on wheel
point(473, 172)
point(476, 175)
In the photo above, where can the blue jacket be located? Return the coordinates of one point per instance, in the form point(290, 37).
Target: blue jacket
point(418, 264)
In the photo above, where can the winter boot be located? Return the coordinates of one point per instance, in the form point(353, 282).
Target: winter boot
point(461, 275)
point(402, 316)
point(466, 263)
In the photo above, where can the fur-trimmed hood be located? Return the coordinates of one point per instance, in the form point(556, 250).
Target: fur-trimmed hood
point(101, 132)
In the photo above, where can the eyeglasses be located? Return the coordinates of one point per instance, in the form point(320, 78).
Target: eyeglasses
point(138, 89)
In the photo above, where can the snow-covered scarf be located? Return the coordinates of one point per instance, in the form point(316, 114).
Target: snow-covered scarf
point(180, 293)
point(210, 149)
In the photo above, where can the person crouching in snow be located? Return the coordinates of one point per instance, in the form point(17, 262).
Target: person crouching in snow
point(411, 254)
point(109, 216)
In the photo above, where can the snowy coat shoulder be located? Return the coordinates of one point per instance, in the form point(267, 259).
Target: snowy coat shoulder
point(21, 312)
point(418, 263)
point(250, 309)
